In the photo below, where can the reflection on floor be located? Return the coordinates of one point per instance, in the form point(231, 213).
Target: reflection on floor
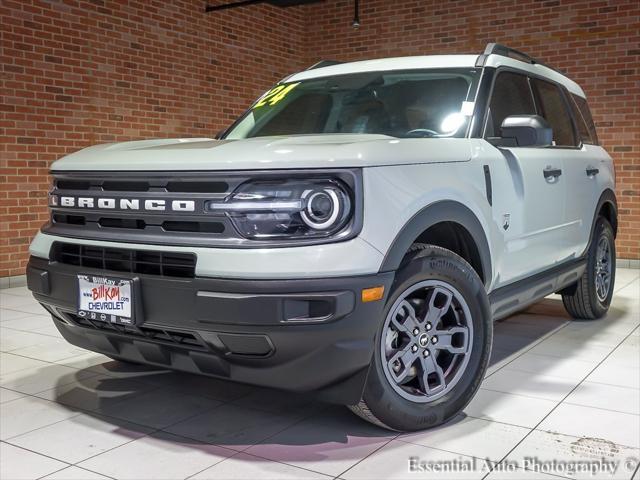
point(556, 390)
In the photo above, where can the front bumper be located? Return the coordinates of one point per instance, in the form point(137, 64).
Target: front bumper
point(304, 335)
point(340, 259)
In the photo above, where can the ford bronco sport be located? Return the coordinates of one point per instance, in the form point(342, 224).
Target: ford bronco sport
point(353, 234)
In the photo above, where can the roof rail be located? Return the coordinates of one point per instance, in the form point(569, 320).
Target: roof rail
point(324, 63)
point(498, 49)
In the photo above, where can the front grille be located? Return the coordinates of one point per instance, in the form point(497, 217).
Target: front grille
point(68, 219)
point(127, 219)
point(188, 185)
point(156, 334)
point(167, 264)
point(215, 227)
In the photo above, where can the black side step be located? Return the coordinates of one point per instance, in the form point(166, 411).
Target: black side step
point(518, 295)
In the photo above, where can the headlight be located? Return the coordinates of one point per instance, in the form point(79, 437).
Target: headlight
point(277, 209)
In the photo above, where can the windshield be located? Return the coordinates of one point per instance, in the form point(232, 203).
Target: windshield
point(422, 103)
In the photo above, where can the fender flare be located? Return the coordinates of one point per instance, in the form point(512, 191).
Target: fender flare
point(608, 196)
point(437, 212)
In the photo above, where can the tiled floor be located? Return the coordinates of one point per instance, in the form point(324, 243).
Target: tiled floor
point(556, 390)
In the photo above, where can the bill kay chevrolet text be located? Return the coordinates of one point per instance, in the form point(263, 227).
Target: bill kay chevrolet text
point(354, 234)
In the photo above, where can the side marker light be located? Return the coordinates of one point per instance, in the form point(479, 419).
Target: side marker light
point(372, 294)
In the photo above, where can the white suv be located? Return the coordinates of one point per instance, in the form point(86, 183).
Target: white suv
point(354, 234)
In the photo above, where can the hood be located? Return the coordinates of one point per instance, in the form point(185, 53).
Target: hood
point(301, 151)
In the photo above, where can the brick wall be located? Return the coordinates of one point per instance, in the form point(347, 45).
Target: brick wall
point(76, 73)
point(597, 43)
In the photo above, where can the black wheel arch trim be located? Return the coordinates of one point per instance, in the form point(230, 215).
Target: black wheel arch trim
point(437, 212)
point(608, 196)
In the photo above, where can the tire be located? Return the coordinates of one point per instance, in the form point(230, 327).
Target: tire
point(445, 279)
point(585, 300)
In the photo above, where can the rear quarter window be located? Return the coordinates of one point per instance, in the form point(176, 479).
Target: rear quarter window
point(585, 120)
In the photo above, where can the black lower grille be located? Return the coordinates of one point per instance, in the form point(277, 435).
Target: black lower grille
point(158, 335)
point(167, 264)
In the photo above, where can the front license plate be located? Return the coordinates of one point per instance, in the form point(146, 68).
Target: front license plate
point(106, 299)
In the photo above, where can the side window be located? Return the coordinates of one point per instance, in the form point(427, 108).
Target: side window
point(553, 108)
point(581, 103)
point(583, 130)
point(511, 96)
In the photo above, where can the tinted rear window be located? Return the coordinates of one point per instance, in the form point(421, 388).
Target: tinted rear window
point(587, 120)
point(583, 131)
point(553, 108)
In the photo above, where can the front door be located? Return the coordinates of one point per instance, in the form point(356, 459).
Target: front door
point(528, 208)
point(529, 196)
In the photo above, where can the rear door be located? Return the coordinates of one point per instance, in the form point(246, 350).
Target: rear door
point(587, 174)
point(529, 191)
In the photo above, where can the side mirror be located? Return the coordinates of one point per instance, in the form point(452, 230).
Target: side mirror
point(527, 130)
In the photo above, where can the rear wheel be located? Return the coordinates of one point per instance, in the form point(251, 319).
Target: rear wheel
point(433, 345)
point(591, 296)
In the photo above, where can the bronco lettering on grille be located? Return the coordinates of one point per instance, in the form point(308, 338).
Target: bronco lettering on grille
point(124, 204)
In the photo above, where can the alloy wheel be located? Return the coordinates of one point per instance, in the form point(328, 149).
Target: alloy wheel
point(426, 341)
point(603, 268)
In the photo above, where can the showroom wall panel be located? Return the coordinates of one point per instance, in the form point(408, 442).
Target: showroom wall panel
point(597, 43)
point(76, 73)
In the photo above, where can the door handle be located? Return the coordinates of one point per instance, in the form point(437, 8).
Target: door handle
point(592, 172)
point(551, 173)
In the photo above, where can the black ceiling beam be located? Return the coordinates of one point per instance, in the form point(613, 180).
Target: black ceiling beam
point(226, 6)
point(246, 3)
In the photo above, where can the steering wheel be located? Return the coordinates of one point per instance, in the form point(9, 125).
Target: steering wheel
point(422, 132)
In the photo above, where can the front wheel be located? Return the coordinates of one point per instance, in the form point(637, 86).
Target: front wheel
point(433, 345)
point(591, 296)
